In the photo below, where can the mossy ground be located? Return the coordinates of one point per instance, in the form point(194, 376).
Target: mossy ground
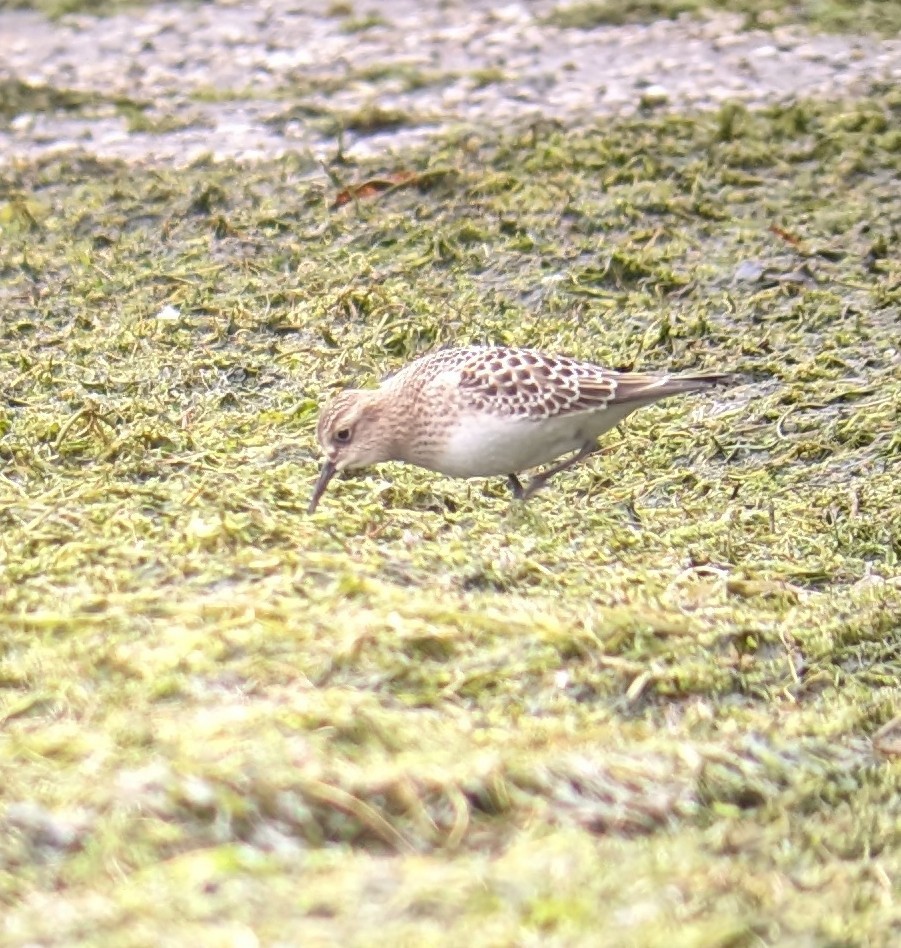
point(639, 711)
point(883, 16)
point(829, 15)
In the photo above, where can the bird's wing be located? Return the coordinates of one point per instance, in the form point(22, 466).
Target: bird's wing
point(527, 383)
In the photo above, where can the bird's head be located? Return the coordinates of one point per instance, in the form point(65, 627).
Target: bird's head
point(353, 433)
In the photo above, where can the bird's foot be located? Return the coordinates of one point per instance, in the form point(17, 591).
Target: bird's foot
point(515, 486)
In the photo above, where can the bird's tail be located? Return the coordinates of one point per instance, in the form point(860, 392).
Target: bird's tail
point(693, 383)
point(639, 387)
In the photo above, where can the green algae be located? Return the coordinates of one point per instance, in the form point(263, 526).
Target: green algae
point(834, 16)
point(58, 8)
point(839, 16)
point(642, 710)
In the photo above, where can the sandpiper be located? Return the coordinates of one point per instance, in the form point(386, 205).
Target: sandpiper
point(484, 411)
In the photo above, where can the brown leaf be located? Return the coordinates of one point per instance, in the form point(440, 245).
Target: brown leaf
point(786, 235)
point(374, 187)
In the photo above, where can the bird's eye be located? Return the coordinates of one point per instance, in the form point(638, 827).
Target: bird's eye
point(342, 435)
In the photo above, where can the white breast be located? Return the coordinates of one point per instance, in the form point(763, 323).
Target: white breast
point(483, 445)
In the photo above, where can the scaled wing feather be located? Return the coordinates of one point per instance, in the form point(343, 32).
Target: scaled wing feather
point(523, 382)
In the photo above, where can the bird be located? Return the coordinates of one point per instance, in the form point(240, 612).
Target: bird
point(485, 411)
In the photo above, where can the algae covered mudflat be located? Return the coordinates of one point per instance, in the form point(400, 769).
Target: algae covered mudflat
point(645, 709)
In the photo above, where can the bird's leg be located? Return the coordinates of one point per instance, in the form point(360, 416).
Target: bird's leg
point(515, 486)
point(539, 480)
